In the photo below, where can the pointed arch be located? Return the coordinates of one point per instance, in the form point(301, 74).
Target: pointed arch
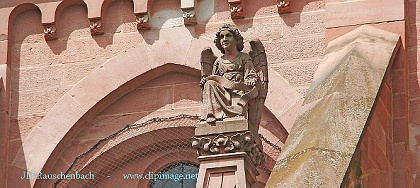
point(106, 84)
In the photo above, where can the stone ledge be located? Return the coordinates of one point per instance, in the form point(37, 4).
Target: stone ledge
point(230, 125)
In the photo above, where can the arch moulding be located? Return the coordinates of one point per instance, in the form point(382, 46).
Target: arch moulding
point(116, 77)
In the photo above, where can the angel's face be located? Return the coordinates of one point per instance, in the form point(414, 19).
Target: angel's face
point(227, 40)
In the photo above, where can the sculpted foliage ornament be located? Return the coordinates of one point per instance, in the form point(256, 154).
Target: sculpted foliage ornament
point(283, 6)
point(189, 16)
point(142, 20)
point(220, 144)
point(236, 10)
point(50, 31)
point(96, 26)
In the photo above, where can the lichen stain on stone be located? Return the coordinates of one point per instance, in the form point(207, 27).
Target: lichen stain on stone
point(335, 122)
point(303, 167)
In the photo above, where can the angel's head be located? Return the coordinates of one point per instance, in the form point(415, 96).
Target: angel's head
point(238, 39)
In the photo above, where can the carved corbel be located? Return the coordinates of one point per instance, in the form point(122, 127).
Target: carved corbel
point(236, 9)
point(142, 20)
point(283, 6)
point(50, 31)
point(188, 11)
point(220, 144)
point(96, 27)
point(189, 16)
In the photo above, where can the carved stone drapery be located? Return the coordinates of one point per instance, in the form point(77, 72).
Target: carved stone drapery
point(225, 143)
point(283, 6)
point(142, 20)
point(50, 31)
point(96, 26)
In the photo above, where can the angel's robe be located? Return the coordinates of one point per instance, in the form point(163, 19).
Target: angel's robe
point(220, 102)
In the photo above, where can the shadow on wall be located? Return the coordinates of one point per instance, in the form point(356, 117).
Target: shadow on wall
point(117, 17)
point(255, 9)
point(72, 23)
point(164, 15)
point(71, 20)
point(24, 27)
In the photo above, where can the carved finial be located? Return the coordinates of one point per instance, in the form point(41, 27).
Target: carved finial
point(142, 20)
point(189, 16)
point(50, 31)
point(236, 10)
point(283, 6)
point(96, 26)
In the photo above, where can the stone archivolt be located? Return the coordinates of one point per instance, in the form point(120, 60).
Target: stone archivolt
point(225, 143)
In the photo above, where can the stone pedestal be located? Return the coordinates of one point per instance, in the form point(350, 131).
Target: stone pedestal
point(229, 153)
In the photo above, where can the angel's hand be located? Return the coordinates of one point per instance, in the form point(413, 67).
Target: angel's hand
point(250, 83)
point(202, 82)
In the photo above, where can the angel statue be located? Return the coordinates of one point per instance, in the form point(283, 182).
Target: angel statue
point(234, 84)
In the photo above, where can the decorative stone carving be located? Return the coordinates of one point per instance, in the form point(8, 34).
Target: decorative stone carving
point(96, 26)
point(283, 6)
point(234, 90)
point(236, 10)
point(50, 31)
point(221, 144)
point(142, 20)
point(236, 83)
point(189, 16)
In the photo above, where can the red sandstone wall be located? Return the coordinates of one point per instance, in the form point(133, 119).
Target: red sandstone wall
point(400, 18)
point(413, 144)
point(41, 72)
point(377, 155)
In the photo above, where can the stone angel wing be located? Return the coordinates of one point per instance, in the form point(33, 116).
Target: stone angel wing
point(207, 61)
point(256, 105)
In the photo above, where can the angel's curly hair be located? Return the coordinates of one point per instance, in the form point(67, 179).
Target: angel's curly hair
point(238, 37)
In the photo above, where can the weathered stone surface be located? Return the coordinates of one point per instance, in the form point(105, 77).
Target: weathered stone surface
point(336, 109)
point(339, 118)
point(312, 167)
